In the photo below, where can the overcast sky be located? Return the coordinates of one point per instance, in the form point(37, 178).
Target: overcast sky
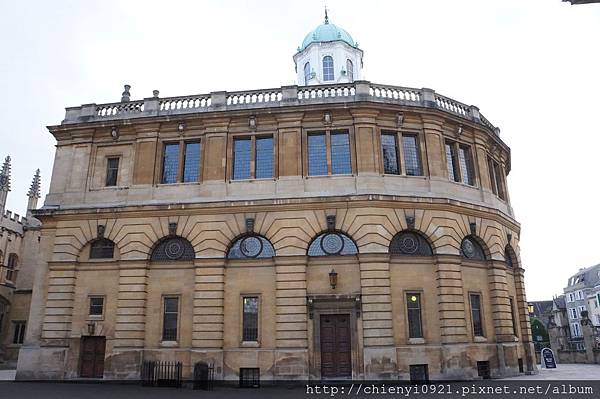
point(532, 66)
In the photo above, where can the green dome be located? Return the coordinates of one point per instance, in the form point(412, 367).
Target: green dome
point(327, 33)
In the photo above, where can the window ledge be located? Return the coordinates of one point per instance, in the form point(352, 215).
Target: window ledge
point(416, 341)
point(95, 318)
point(332, 175)
point(169, 344)
point(189, 183)
point(464, 184)
point(252, 180)
point(250, 344)
point(109, 188)
point(480, 339)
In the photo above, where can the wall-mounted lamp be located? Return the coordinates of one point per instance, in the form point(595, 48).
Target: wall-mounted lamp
point(327, 118)
point(333, 278)
point(114, 133)
point(181, 127)
point(91, 327)
point(399, 119)
point(252, 122)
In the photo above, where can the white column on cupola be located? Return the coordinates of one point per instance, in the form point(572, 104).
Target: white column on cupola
point(34, 193)
point(4, 184)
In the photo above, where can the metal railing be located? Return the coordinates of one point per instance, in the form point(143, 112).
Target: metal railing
point(357, 91)
point(161, 374)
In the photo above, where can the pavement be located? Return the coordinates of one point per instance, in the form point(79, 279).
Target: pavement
point(578, 375)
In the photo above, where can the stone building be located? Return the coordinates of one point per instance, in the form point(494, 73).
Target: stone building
point(18, 249)
point(580, 296)
point(332, 230)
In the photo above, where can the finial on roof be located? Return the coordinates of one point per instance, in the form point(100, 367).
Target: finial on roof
point(34, 190)
point(5, 175)
point(125, 96)
point(326, 17)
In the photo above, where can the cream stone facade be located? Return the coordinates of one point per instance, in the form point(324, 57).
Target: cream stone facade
point(279, 231)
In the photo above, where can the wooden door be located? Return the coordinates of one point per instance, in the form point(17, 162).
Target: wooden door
point(336, 359)
point(92, 357)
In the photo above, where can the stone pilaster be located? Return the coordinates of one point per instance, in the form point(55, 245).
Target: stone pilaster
point(290, 275)
point(523, 317)
point(378, 334)
point(58, 313)
point(501, 311)
point(291, 357)
point(451, 300)
point(432, 127)
point(130, 323)
point(209, 294)
point(376, 301)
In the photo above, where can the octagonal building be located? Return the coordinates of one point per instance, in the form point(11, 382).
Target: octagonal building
point(332, 230)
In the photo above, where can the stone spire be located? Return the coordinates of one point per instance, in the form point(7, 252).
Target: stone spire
point(34, 192)
point(4, 183)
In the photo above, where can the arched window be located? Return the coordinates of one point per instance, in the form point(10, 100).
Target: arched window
point(102, 249)
point(471, 249)
point(13, 262)
point(306, 73)
point(1, 258)
point(410, 243)
point(332, 243)
point(173, 248)
point(350, 70)
point(510, 257)
point(327, 68)
point(251, 246)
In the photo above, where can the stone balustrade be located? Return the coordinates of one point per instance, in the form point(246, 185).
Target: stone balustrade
point(276, 97)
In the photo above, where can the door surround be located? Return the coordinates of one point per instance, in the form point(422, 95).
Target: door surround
point(319, 305)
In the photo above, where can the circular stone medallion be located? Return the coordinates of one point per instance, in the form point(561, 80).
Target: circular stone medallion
point(468, 248)
point(332, 243)
point(251, 246)
point(409, 243)
point(174, 250)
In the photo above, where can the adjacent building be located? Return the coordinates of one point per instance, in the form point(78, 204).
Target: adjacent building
point(336, 229)
point(581, 295)
point(19, 245)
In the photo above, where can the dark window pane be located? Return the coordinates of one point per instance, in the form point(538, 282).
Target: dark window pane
point(170, 319)
point(173, 249)
point(451, 162)
point(170, 163)
point(327, 244)
point(241, 158)
point(466, 165)
point(415, 328)
point(412, 157)
point(19, 333)
point(476, 315)
point(264, 157)
point(390, 154)
point(512, 314)
point(102, 249)
point(499, 180)
point(112, 170)
point(492, 173)
point(328, 68)
point(340, 154)
point(350, 70)
point(317, 155)
point(419, 374)
point(96, 306)
point(250, 322)
point(191, 163)
point(306, 73)
point(251, 247)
